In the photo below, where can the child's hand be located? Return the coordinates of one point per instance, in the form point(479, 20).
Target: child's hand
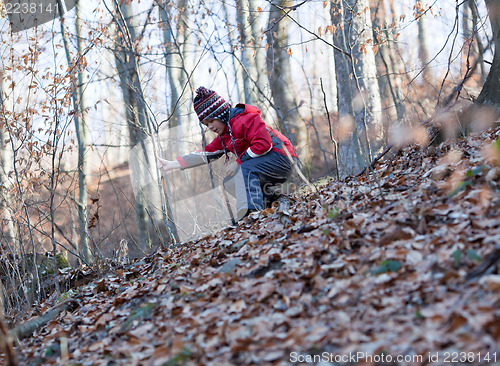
point(231, 168)
point(167, 165)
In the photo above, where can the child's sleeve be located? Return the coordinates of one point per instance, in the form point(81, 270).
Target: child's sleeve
point(212, 151)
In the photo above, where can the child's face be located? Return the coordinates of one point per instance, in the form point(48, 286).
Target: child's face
point(215, 125)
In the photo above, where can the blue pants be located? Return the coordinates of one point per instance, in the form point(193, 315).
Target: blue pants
point(253, 178)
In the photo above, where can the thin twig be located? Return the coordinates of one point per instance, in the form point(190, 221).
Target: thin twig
point(335, 143)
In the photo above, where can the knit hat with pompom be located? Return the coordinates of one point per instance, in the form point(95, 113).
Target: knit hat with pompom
point(208, 104)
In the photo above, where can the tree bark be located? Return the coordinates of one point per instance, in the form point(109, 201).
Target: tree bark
point(5, 167)
point(389, 79)
point(150, 205)
point(490, 94)
point(357, 88)
point(423, 47)
point(29, 327)
point(175, 41)
point(238, 69)
point(349, 150)
point(81, 129)
point(330, 80)
point(472, 49)
point(242, 14)
point(280, 78)
point(259, 55)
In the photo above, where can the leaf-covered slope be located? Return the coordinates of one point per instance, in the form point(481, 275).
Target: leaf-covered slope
point(399, 262)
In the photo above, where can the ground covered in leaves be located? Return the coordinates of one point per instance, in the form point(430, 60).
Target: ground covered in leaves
point(399, 266)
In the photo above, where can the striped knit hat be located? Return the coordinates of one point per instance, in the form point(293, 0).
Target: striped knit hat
point(208, 104)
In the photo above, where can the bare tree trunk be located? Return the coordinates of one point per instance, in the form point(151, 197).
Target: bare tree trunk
point(357, 86)
point(473, 48)
point(479, 42)
point(423, 46)
point(115, 128)
point(8, 234)
point(55, 157)
point(175, 38)
point(368, 104)
point(243, 13)
point(258, 53)
point(389, 79)
point(82, 138)
point(149, 202)
point(26, 329)
point(238, 69)
point(490, 94)
point(350, 156)
point(80, 129)
point(134, 109)
point(280, 78)
point(330, 81)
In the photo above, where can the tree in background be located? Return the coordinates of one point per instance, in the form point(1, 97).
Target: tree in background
point(234, 48)
point(390, 69)
point(8, 233)
point(359, 102)
point(81, 128)
point(490, 94)
point(149, 204)
point(473, 46)
point(79, 104)
point(254, 16)
point(423, 41)
point(248, 63)
point(280, 77)
point(176, 40)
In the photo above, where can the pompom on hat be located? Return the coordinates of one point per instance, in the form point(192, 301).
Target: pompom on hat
point(208, 104)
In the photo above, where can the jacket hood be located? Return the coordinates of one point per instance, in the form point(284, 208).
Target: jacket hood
point(248, 108)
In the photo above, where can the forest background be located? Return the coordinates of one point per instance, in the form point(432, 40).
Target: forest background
point(91, 98)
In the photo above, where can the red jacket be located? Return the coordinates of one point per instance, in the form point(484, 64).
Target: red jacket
point(251, 138)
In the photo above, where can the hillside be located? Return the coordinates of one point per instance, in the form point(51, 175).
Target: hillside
point(399, 266)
